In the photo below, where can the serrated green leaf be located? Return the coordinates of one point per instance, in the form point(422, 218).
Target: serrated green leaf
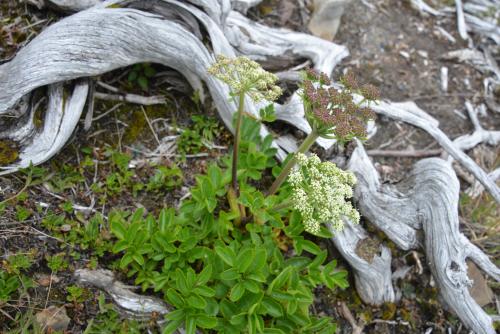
point(260, 260)
point(172, 326)
point(280, 280)
point(138, 258)
point(267, 114)
point(181, 282)
point(176, 315)
point(291, 307)
point(311, 247)
point(126, 260)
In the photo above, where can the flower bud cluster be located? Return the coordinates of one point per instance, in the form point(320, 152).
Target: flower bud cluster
point(333, 113)
point(246, 76)
point(319, 193)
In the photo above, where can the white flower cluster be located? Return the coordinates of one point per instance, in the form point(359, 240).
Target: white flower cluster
point(319, 193)
point(246, 76)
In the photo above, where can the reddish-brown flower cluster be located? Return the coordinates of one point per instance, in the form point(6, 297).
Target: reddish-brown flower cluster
point(333, 113)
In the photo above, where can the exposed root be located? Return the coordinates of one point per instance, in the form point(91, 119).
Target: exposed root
point(427, 199)
point(128, 301)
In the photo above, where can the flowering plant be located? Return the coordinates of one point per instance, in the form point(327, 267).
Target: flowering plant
point(222, 258)
point(332, 113)
point(244, 77)
point(319, 190)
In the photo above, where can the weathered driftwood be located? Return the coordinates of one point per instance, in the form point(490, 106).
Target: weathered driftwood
point(128, 301)
point(391, 210)
point(462, 27)
point(481, 17)
point(408, 112)
point(424, 8)
point(169, 32)
point(477, 188)
point(72, 50)
point(427, 200)
point(62, 116)
point(480, 135)
point(372, 275)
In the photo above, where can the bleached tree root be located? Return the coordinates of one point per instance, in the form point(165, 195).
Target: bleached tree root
point(169, 32)
point(480, 135)
point(427, 200)
point(371, 263)
point(408, 112)
point(61, 118)
point(130, 302)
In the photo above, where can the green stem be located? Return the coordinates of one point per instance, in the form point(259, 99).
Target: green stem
point(306, 145)
point(281, 206)
point(234, 171)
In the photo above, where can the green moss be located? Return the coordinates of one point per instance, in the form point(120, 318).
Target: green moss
point(136, 126)
point(9, 152)
point(388, 311)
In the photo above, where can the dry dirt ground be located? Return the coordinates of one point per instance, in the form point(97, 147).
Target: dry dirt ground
point(391, 46)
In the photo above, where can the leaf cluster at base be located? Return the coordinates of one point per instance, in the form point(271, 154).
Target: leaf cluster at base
point(224, 273)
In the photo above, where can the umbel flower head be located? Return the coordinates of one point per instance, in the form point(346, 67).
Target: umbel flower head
point(246, 76)
point(333, 113)
point(319, 193)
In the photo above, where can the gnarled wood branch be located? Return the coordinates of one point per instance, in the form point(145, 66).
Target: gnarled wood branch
point(427, 199)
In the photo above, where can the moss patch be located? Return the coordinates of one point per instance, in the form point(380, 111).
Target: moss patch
point(9, 152)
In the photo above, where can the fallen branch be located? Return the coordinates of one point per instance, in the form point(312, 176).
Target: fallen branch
point(408, 112)
point(405, 154)
point(462, 28)
point(131, 98)
point(130, 302)
point(480, 135)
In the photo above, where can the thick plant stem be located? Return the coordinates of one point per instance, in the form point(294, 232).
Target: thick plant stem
point(234, 171)
point(304, 147)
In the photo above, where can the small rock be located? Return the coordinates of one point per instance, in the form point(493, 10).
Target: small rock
point(404, 54)
point(44, 280)
point(325, 18)
point(65, 228)
point(480, 291)
point(53, 319)
point(423, 54)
